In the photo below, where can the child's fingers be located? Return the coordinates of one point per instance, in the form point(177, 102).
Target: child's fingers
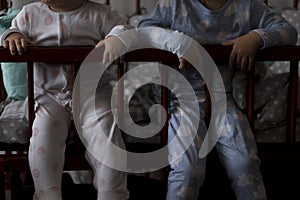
point(108, 57)
point(182, 63)
point(24, 44)
point(112, 57)
point(19, 46)
point(105, 57)
point(239, 59)
point(101, 42)
point(244, 63)
point(12, 47)
point(5, 43)
point(232, 58)
point(228, 43)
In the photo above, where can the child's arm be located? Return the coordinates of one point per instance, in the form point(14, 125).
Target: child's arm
point(244, 49)
point(122, 39)
point(268, 29)
point(272, 28)
point(15, 37)
point(114, 47)
point(16, 42)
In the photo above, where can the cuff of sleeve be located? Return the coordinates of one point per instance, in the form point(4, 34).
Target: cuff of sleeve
point(182, 43)
point(166, 39)
point(6, 33)
point(153, 37)
point(127, 37)
point(261, 34)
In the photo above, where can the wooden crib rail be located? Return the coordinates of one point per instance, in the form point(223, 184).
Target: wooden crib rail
point(221, 54)
point(218, 54)
point(44, 54)
point(78, 54)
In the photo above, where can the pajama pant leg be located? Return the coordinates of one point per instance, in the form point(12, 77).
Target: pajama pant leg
point(47, 147)
point(236, 147)
point(188, 171)
point(238, 153)
point(110, 183)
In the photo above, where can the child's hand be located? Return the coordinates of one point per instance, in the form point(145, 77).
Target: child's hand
point(114, 47)
point(244, 49)
point(15, 42)
point(183, 63)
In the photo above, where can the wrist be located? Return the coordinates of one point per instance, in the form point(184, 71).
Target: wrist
point(257, 39)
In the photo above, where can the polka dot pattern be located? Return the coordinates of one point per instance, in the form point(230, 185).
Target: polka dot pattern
point(280, 4)
point(269, 104)
point(102, 183)
point(293, 17)
point(41, 150)
point(36, 173)
point(48, 20)
point(13, 125)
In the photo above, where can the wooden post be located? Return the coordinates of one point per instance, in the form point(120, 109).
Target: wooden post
point(3, 4)
point(292, 103)
point(138, 7)
point(296, 4)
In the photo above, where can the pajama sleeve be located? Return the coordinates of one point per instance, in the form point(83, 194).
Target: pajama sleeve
point(153, 37)
point(273, 29)
point(161, 15)
point(109, 19)
point(19, 25)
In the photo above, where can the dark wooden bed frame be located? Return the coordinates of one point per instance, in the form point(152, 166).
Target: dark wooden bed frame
point(271, 154)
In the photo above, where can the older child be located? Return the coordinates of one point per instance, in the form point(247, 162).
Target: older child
point(246, 25)
point(63, 23)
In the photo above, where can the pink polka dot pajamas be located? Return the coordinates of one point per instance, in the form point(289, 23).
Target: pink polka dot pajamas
point(84, 26)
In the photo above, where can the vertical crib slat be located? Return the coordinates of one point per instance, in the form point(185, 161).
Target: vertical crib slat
point(292, 103)
point(250, 96)
point(2, 89)
point(3, 4)
point(2, 181)
point(30, 77)
point(137, 7)
point(295, 5)
point(121, 69)
point(79, 148)
point(164, 102)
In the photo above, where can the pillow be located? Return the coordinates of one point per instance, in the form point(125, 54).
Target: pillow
point(14, 74)
point(5, 21)
point(239, 84)
point(15, 80)
point(293, 17)
point(280, 4)
point(269, 99)
point(271, 93)
point(13, 122)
